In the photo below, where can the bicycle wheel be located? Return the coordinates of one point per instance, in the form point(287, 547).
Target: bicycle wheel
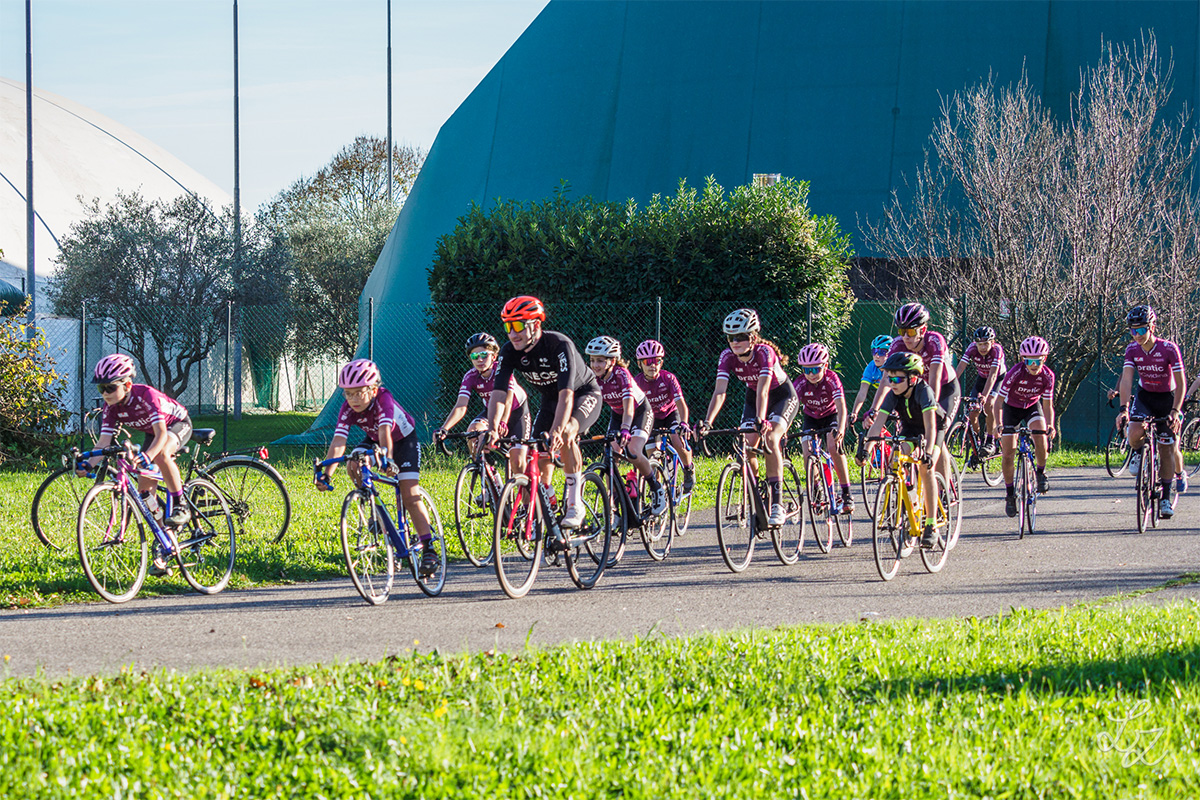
point(992, 468)
point(956, 512)
point(433, 584)
point(366, 547)
point(207, 543)
point(819, 508)
point(735, 519)
point(518, 537)
point(788, 538)
point(586, 559)
point(1116, 453)
point(1021, 486)
point(257, 497)
point(683, 502)
point(1031, 495)
point(889, 528)
point(55, 509)
point(934, 557)
point(112, 543)
point(473, 517)
point(657, 532)
point(1189, 440)
point(870, 476)
point(956, 441)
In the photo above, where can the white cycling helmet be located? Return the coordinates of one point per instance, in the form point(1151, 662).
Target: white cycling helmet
point(605, 346)
point(744, 320)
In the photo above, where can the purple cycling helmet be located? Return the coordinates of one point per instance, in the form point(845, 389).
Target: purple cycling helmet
point(111, 369)
point(359, 373)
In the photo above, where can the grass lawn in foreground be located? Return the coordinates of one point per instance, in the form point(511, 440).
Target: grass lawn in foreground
point(1090, 702)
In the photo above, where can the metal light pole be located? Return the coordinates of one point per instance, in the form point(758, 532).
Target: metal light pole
point(237, 169)
point(389, 99)
point(29, 217)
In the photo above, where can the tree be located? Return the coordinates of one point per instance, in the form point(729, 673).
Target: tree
point(335, 224)
point(1055, 227)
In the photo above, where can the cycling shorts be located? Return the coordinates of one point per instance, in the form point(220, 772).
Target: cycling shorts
point(406, 455)
point(1014, 416)
point(667, 420)
point(980, 382)
point(1152, 404)
point(518, 423)
point(950, 397)
point(816, 423)
point(585, 411)
point(917, 428)
point(643, 417)
point(782, 405)
point(180, 431)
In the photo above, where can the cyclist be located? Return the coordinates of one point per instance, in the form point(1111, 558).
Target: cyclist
point(770, 404)
point(1159, 367)
point(987, 356)
point(570, 405)
point(371, 408)
point(167, 427)
point(912, 319)
point(666, 399)
point(482, 349)
point(1027, 395)
point(912, 400)
point(822, 404)
point(630, 414)
point(871, 376)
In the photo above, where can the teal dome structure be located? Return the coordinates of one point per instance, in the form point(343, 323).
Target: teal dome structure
point(622, 99)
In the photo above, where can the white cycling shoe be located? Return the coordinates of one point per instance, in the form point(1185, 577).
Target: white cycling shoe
point(573, 518)
point(1165, 509)
point(777, 516)
point(659, 507)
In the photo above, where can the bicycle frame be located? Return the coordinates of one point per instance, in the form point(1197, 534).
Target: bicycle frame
point(125, 475)
point(899, 462)
point(395, 529)
point(742, 452)
point(817, 451)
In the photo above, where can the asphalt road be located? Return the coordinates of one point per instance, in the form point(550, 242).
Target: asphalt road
point(1085, 550)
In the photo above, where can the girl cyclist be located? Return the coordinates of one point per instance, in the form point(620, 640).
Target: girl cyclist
point(823, 403)
point(666, 400)
point(770, 404)
point(1027, 395)
point(387, 425)
point(630, 414)
point(987, 356)
point(872, 375)
point(482, 349)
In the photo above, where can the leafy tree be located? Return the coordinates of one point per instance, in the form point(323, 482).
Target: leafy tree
point(1055, 227)
point(335, 224)
point(31, 409)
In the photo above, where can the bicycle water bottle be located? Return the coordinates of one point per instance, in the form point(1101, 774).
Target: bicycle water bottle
point(631, 483)
point(828, 473)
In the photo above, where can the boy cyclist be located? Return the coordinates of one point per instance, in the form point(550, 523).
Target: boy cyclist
point(872, 375)
point(371, 408)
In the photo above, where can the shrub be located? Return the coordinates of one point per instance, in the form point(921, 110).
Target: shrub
point(31, 412)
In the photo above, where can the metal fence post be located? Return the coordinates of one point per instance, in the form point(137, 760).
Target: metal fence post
point(809, 330)
point(658, 318)
point(371, 328)
point(228, 349)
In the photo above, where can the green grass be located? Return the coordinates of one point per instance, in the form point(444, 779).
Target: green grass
point(1091, 702)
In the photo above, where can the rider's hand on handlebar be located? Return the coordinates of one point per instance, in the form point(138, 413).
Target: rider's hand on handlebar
point(703, 427)
point(440, 434)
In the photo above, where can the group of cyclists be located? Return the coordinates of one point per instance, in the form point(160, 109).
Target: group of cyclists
point(911, 380)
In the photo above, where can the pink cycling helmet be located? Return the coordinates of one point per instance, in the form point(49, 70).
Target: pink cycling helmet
point(111, 369)
point(650, 349)
point(813, 355)
point(359, 373)
point(1034, 347)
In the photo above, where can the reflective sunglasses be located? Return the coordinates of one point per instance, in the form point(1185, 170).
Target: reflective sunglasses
point(897, 379)
point(480, 356)
point(738, 337)
point(1139, 331)
point(107, 388)
point(1033, 362)
point(982, 341)
point(812, 370)
point(910, 331)
point(516, 326)
point(652, 361)
point(882, 352)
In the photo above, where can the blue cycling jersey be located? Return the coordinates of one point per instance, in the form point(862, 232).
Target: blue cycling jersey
point(872, 374)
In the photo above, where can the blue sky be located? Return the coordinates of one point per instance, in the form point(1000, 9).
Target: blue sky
point(312, 72)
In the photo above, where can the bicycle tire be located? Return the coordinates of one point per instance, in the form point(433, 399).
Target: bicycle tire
point(1031, 493)
point(658, 532)
point(474, 515)
point(1022, 490)
point(683, 502)
point(889, 528)
point(54, 512)
point(991, 467)
point(257, 496)
point(517, 555)
point(584, 568)
point(1116, 453)
point(431, 585)
point(788, 538)
point(871, 476)
point(1189, 440)
point(956, 513)
point(366, 548)
point(956, 441)
point(934, 558)
point(112, 543)
point(820, 516)
point(735, 519)
point(1154, 488)
point(208, 542)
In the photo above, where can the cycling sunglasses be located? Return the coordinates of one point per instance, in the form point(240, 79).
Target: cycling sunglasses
point(882, 352)
point(480, 356)
point(654, 360)
point(910, 331)
point(897, 379)
point(1142, 331)
point(107, 388)
point(1033, 362)
point(738, 337)
point(516, 326)
point(812, 370)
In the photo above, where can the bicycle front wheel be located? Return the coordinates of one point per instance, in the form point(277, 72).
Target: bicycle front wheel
point(1189, 440)
point(735, 519)
point(431, 583)
point(257, 497)
point(473, 514)
point(788, 538)
point(870, 476)
point(55, 509)
point(819, 508)
point(112, 543)
point(683, 502)
point(207, 543)
point(889, 529)
point(518, 537)
point(366, 547)
point(586, 545)
point(1116, 454)
point(934, 557)
point(658, 532)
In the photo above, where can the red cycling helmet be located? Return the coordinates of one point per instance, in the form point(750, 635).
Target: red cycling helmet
point(523, 307)
point(359, 373)
point(111, 369)
point(650, 349)
point(1034, 347)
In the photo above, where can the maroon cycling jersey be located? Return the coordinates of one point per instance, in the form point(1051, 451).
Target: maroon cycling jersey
point(383, 412)
point(475, 383)
point(764, 364)
point(932, 351)
point(819, 399)
point(143, 407)
point(983, 364)
point(617, 386)
point(1022, 389)
point(1156, 368)
point(663, 392)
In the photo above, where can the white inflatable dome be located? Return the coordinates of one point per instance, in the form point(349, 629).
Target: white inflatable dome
point(77, 153)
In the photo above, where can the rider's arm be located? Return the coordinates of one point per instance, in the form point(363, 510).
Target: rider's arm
point(456, 413)
point(385, 439)
point(840, 402)
point(881, 391)
point(717, 400)
point(628, 407)
point(1192, 389)
point(337, 446)
point(993, 376)
point(104, 441)
point(859, 398)
point(762, 394)
point(1048, 413)
point(960, 369)
point(929, 416)
point(935, 379)
point(1125, 387)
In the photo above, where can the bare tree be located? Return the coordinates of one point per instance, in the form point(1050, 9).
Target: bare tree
point(1054, 228)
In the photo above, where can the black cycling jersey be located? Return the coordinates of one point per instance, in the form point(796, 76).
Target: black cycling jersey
point(911, 410)
point(551, 365)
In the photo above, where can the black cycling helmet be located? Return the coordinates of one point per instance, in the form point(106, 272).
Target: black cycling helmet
point(985, 334)
point(482, 340)
point(911, 363)
point(911, 315)
point(1140, 315)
